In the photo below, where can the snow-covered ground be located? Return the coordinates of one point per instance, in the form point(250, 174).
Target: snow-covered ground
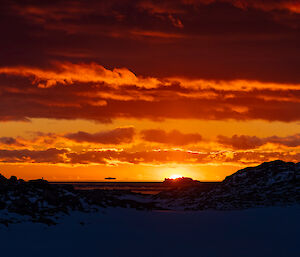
point(117, 232)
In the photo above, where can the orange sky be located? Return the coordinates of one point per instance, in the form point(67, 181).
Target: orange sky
point(140, 90)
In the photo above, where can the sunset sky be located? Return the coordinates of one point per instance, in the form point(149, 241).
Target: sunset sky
point(143, 89)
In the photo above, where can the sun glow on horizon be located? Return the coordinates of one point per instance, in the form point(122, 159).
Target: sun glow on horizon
point(175, 176)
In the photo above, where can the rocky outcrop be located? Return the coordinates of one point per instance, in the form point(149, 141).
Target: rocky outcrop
point(271, 183)
point(180, 182)
point(40, 201)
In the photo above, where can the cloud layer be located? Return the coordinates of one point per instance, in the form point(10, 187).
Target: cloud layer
point(94, 93)
point(200, 59)
point(116, 136)
point(154, 157)
point(141, 60)
point(209, 39)
point(126, 145)
point(251, 142)
point(173, 137)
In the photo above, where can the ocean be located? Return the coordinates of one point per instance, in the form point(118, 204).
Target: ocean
point(137, 187)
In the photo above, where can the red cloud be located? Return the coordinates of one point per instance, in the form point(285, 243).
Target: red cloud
point(241, 142)
point(251, 142)
point(50, 155)
point(269, 5)
point(170, 98)
point(154, 157)
point(173, 137)
point(10, 141)
point(290, 141)
point(146, 157)
point(68, 73)
point(211, 39)
point(116, 136)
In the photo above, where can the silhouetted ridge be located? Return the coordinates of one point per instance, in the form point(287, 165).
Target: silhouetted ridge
point(271, 183)
point(39, 201)
point(264, 174)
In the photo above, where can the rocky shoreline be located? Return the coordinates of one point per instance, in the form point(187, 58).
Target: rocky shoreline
point(40, 201)
point(274, 183)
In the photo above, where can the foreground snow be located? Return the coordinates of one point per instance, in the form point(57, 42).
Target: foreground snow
point(117, 232)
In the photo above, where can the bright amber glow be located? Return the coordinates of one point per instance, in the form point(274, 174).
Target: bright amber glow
point(175, 176)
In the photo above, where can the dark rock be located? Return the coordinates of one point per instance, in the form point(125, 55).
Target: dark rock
point(39, 182)
point(2, 205)
point(271, 183)
point(3, 179)
point(180, 182)
point(13, 180)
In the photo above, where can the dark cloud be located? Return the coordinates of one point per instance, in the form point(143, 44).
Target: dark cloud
point(116, 136)
point(147, 157)
point(269, 5)
point(10, 141)
point(51, 155)
point(62, 59)
point(290, 141)
point(208, 39)
point(153, 157)
point(48, 93)
point(173, 137)
point(243, 142)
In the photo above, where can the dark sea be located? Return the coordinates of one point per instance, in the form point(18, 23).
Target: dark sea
point(137, 187)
